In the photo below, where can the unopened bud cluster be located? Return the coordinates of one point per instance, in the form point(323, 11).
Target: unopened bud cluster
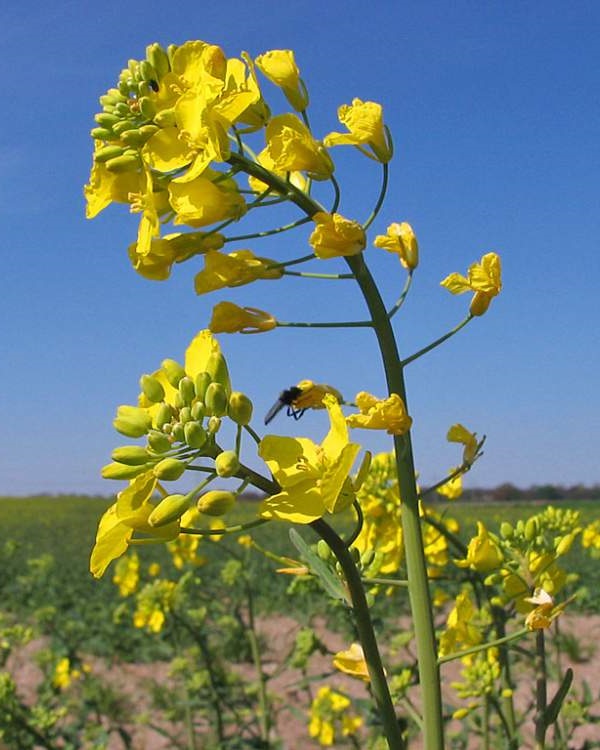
point(128, 117)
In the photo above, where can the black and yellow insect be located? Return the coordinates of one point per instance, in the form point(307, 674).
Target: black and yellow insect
point(299, 398)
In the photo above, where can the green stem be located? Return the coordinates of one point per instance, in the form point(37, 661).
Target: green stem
point(484, 646)
point(437, 342)
point(264, 716)
point(327, 276)
point(418, 584)
point(380, 199)
point(541, 697)
point(394, 582)
point(486, 722)
point(366, 634)
point(400, 301)
point(341, 324)
point(268, 232)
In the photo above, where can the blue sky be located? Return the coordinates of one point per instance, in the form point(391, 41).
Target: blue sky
point(495, 113)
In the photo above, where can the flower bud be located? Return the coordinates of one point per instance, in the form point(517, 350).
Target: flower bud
point(132, 455)
point(169, 469)
point(107, 152)
point(216, 367)
point(215, 400)
point(132, 421)
point(506, 530)
point(227, 464)
point(158, 441)
point(147, 107)
point(214, 425)
point(164, 415)
point(203, 380)
point(102, 134)
point(173, 371)
point(216, 502)
point(531, 529)
point(198, 411)
point(106, 120)
point(169, 509)
point(239, 408)
point(125, 163)
point(185, 414)
point(123, 471)
point(187, 390)
point(165, 118)
point(157, 56)
point(152, 389)
point(178, 433)
point(323, 550)
point(195, 434)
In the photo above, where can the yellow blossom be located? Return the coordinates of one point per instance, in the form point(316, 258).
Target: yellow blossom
point(483, 554)
point(484, 279)
point(452, 489)
point(313, 478)
point(400, 239)
point(154, 602)
point(312, 395)
point(229, 318)
point(203, 201)
point(352, 662)
point(459, 434)
point(279, 66)
point(127, 574)
point(328, 710)
point(64, 675)
point(235, 269)
point(364, 121)
point(540, 615)
point(155, 261)
point(106, 187)
point(334, 236)
point(460, 633)
point(291, 147)
point(381, 414)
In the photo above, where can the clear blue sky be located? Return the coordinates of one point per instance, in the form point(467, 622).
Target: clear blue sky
point(495, 111)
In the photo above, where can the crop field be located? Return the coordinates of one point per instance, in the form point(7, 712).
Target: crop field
point(102, 664)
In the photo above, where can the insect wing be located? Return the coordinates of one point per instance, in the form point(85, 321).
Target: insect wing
point(274, 410)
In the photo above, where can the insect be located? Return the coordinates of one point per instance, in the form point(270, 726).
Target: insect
point(286, 398)
point(299, 398)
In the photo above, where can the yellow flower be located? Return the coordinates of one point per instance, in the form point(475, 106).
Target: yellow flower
point(123, 519)
point(291, 147)
point(400, 239)
point(483, 554)
point(312, 395)
point(328, 710)
point(106, 187)
point(352, 662)
point(484, 279)
point(127, 574)
point(154, 602)
point(229, 318)
point(313, 478)
point(279, 66)
point(64, 675)
point(459, 632)
point(381, 414)
point(334, 236)
point(364, 120)
point(459, 434)
point(156, 262)
point(540, 616)
point(235, 269)
point(452, 489)
point(202, 201)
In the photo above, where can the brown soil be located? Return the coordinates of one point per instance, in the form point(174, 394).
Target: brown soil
point(290, 698)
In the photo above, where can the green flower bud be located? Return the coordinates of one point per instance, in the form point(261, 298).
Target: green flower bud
point(178, 433)
point(132, 455)
point(169, 469)
point(216, 502)
point(133, 138)
point(165, 118)
point(173, 371)
point(239, 408)
point(124, 125)
point(107, 100)
point(323, 550)
point(171, 50)
point(195, 434)
point(152, 388)
point(198, 411)
point(122, 109)
point(147, 107)
point(227, 464)
point(187, 390)
point(157, 56)
point(105, 120)
point(132, 421)
point(147, 131)
point(164, 415)
point(185, 414)
point(102, 134)
point(125, 163)
point(123, 471)
point(203, 380)
point(214, 425)
point(215, 400)
point(355, 554)
point(179, 402)
point(531, 529)
point(107, 152)
point(169, 509)
point(158, 442)
point(147, 72)
point(367, 558)
point(506, 530)
point(216, 367)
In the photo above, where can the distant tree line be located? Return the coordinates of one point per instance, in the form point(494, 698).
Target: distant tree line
point(540, 492)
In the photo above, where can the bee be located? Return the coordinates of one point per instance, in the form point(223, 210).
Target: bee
point(299, 398)
point(286, 398)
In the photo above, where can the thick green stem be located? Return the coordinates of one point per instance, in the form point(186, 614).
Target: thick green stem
point(418, 584)
point(366, 634)
point(541, 697)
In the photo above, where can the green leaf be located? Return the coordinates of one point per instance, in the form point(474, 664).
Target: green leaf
point(551, 712)
point(319, 568)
